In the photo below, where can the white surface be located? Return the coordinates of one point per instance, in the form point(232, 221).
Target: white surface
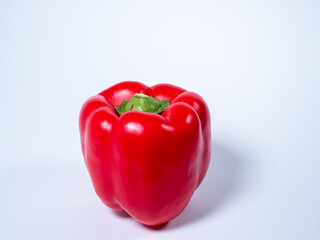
point(256, 63)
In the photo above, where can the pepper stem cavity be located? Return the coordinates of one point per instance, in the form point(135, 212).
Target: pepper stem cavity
point(143, 103)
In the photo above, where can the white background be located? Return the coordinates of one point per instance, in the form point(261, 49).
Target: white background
point(256, 63)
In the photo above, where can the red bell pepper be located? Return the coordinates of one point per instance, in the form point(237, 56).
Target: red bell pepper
point(146, 155)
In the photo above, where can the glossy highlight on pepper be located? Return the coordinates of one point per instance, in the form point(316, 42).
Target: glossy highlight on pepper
point(147, 149)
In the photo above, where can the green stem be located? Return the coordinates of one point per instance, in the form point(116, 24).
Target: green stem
point(143, 103)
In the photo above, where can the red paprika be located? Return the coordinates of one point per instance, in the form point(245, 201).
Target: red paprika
point(147, 149)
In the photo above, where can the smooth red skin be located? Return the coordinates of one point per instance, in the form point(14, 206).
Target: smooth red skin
point(144, 163)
